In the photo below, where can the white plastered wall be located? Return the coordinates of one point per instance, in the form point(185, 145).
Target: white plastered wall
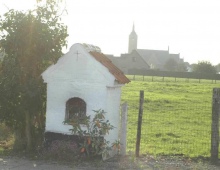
point(80, 75)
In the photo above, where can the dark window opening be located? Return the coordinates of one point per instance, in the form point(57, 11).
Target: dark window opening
point(75, 109)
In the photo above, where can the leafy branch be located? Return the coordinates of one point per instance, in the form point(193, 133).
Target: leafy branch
point(92, 139)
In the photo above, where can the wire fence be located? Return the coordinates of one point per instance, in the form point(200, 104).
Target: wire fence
point(170, 128)
point(170, 79)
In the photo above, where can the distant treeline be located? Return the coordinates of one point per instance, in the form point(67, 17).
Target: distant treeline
point(189, 75)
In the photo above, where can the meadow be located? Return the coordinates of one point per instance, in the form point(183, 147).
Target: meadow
point(176, 117)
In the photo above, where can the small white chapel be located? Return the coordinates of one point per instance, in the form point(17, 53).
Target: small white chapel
point(84, 79)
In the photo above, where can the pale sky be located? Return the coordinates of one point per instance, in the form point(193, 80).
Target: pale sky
point(188, 27)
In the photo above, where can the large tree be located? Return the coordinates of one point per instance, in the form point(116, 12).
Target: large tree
point(217, 67)
point(171, 65)
point(182, 67)
point(204, 67)
point(32, 40)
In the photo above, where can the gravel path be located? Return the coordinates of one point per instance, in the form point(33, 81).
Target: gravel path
point(176, 163)
point(15, 163)
point(128, 163)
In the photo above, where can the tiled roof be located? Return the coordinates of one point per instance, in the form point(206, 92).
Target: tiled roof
point(119, 75)
point(160, 56)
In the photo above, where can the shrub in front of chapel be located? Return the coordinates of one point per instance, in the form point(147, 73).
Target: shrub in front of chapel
point(92, 142)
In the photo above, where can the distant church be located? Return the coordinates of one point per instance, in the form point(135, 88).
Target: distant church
point(132, 43)
point(144, 59)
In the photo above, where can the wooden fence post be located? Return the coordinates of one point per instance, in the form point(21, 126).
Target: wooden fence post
point(138, 140)
point(215, 125)
point(123, 136)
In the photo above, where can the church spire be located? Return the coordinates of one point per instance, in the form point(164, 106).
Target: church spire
point(132, 44)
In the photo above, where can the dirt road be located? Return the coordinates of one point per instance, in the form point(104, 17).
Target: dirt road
point(16, 163)
point(25, 164)
point(144, 163)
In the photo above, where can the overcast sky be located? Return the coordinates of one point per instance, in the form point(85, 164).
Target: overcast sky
point(188, 27)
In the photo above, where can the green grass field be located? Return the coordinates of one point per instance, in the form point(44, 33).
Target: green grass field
point(176, 118)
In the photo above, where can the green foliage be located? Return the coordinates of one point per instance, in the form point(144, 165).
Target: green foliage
point(92, 138)
point(181, 67)
point(171, 65)
point(32, 40)
point(176, 116)
point(116, 145)
point(217, 67)
point(204, 67)
point(5, 132)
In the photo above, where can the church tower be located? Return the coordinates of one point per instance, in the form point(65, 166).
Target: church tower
point(132, 44)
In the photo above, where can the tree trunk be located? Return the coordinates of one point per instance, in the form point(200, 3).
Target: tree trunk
point(19, 143)
point(28, 131)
